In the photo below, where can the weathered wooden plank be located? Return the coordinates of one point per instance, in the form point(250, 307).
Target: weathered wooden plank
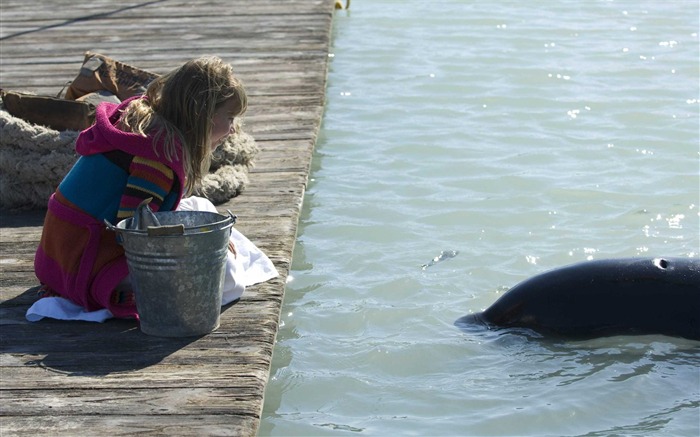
point(132, 401)
point(231, 424)
point(21, 376)
point(68, 10)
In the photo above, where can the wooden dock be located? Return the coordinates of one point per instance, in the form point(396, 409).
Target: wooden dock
point(80, 378)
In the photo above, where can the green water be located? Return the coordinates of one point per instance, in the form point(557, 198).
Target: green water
point(526, 136)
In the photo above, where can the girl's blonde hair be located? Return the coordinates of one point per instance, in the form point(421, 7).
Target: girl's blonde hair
point(179, 110)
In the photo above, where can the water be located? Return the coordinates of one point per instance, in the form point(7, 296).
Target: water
point(525, 136)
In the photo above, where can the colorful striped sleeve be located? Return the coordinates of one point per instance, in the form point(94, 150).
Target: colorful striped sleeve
point(147, 178)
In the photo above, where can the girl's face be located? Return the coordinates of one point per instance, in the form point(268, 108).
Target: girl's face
point(222, 124)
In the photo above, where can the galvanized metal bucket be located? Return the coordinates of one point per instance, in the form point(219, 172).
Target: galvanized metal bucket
point(177, 270)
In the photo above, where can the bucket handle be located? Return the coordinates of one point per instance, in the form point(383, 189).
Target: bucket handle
point(233, 216)
point(167, 229)
point(110, 226)
point(116, 230)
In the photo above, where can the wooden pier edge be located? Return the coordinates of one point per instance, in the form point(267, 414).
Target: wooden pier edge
point(83, 378)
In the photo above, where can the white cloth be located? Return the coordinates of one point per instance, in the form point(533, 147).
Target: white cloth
point(248, 267)
point(63, 309)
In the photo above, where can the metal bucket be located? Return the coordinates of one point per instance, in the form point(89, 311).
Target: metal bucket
point(177, 271)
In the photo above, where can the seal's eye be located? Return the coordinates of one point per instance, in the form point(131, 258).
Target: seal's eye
point(661, 263)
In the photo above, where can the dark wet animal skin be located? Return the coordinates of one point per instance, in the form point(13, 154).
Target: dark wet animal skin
point(600, 298)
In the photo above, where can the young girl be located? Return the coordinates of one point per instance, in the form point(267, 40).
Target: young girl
point(154, 146)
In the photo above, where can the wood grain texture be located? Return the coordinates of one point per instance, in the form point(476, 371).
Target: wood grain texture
point(80, 378)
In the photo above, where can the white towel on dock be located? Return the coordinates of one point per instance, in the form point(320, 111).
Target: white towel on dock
point(63, 309)
point(250, 266)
